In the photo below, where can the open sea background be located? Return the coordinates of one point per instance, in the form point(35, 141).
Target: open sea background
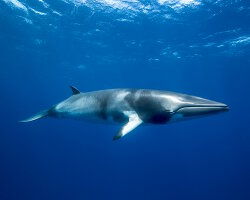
point(198, 47)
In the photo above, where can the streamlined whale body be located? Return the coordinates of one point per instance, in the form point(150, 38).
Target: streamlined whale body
point(131, 107)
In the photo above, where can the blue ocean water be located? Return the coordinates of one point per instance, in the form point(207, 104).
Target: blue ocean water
point(198, 47)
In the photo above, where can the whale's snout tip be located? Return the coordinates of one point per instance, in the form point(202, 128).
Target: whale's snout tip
point(226, 108)
point(223, 107)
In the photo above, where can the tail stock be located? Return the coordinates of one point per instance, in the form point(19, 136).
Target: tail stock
point(39, 115)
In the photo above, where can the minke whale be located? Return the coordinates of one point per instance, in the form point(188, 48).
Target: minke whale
point(131, 107)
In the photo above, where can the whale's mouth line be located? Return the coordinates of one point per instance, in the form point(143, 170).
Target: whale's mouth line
point(209, 106)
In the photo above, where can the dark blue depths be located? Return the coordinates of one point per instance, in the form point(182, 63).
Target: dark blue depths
point(196, 47)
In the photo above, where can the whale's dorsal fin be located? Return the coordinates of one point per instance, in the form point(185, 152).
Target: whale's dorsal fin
point(74, 90)
point(133, 122)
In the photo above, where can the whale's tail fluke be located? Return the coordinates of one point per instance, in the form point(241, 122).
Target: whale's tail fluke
point(39, 115)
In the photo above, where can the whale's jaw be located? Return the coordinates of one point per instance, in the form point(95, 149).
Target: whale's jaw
point(200, 110)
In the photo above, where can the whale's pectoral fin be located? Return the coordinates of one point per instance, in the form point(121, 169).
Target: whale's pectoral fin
point(134, 121)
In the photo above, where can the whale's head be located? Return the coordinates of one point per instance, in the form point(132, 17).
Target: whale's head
point(190, 106)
